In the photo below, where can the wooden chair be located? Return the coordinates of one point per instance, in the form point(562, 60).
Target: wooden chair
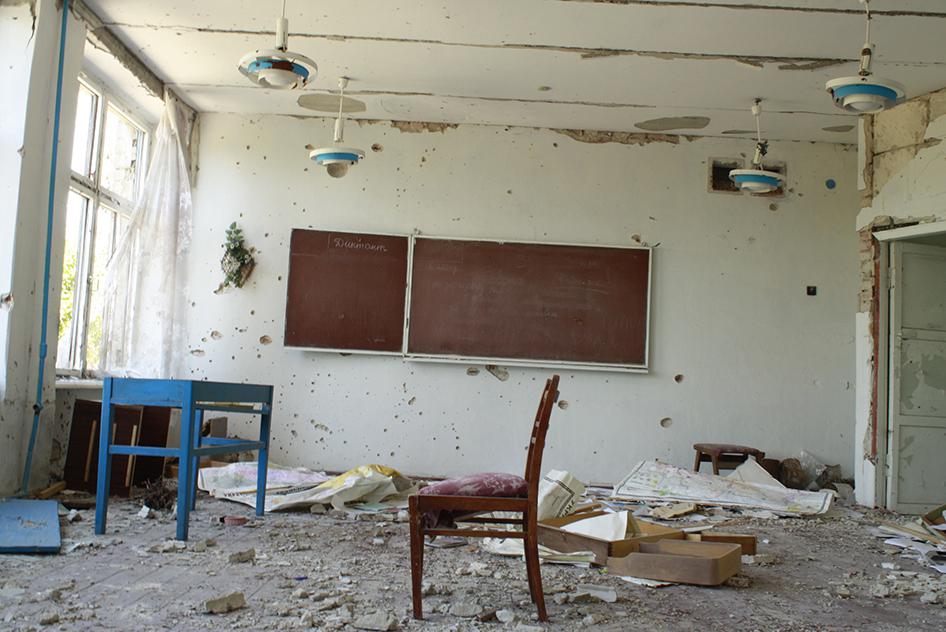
point(470, 506)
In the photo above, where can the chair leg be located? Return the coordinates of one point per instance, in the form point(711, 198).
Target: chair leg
point(530, 574)
point(417, 557)
point(716, 464)
point(535, 575)
point(698, 461)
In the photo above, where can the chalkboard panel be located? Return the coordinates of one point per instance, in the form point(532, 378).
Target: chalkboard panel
point(540, 302)
point(346, 291)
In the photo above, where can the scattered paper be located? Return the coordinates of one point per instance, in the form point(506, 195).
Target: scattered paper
point(300, 487)
point(751, 472)
point(653, 480)
point(642, 581)
point(558, 493)
point(611, 527)
point(673, 511)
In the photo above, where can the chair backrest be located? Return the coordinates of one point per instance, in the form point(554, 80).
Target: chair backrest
point(539, 430)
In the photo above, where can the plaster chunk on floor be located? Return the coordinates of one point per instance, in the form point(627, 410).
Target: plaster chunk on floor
point(226, 603)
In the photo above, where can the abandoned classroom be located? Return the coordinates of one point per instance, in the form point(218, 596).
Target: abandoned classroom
point(473, 315)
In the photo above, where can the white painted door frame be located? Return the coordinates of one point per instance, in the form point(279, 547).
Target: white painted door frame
point(882, 361)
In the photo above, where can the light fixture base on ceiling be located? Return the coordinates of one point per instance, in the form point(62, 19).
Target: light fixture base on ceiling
point(864, 94)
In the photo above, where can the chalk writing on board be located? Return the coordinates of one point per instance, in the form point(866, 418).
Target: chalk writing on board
point(357, 244)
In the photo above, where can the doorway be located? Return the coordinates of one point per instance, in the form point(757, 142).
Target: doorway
point(916, 373)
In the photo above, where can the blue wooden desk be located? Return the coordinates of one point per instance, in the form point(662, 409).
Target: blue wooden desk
point(193, 398)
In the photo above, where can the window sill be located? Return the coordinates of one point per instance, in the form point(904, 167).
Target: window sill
point(63, 383)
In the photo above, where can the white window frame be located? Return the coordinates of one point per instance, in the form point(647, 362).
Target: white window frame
point(74, 364)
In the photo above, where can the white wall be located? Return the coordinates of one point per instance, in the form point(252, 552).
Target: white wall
point(15, 46)
point(35, 58)
point(763, 363)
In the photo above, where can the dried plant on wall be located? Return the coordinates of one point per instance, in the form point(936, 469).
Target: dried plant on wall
point(237, 262)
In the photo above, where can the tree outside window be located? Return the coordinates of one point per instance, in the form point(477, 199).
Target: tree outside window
point(108, 153)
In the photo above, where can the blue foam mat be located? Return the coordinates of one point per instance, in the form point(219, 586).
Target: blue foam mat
point(29, 526)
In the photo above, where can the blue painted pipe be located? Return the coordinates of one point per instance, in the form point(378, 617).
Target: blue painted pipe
point(50, 212)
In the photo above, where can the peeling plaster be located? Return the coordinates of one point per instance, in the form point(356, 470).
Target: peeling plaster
point(674, 122)
point(416, 127)
point(624, 138)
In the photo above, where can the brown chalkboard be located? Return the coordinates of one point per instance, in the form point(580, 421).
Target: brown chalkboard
point(540, 302)
point(346, 291)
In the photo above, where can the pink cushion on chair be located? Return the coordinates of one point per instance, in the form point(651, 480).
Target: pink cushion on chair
point(494, 485)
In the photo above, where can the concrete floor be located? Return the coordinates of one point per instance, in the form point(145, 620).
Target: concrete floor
point(329, 571)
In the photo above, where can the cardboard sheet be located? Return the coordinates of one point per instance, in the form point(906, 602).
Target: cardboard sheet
point(611, 527)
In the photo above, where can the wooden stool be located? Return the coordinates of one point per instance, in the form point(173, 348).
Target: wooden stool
point(724, 456)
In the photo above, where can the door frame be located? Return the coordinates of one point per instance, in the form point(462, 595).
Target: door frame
point(882, 372)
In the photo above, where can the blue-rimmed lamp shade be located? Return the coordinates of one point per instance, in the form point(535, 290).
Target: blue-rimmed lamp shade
point(336, 160)
point(281, 70)
point(756, 180)
point(864, 95)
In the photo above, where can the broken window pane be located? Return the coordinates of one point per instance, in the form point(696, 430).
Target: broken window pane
point(83, 140)
point(120, 154)
point(69, 302)
point(105, 240)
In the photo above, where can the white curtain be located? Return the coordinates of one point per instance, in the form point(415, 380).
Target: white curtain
point(144, 304)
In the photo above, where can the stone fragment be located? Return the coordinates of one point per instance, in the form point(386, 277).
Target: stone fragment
point(465, 609)
point(589, 592)
point(487, 615)
point(791, 474)
point(226, 603)
point(739, 581)
point(241, 557)
point(168, 546)
point(505, 616)
point(48, 617)
point(380, 621)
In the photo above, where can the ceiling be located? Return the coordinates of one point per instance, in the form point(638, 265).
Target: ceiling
point(573, 64)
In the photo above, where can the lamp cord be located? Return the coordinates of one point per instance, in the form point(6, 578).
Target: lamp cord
point(867, 8)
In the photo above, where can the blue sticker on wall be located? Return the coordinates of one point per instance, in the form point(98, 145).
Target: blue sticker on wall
point(830, 183)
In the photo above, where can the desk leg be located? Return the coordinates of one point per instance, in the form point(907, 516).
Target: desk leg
point(262, 460)
point(185, 464)
point(195, 461)
point(105, 459)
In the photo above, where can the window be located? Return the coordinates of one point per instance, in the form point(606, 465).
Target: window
point(108, 152)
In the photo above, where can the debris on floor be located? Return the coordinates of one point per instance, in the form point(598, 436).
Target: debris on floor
point(225, 604)
point(320, 571)
point(656, 481)
point(367, 487)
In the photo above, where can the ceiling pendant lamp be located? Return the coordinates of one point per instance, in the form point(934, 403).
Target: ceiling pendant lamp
point(336, 159)
point(278, 68)
point(757, 179)
point(865, 93)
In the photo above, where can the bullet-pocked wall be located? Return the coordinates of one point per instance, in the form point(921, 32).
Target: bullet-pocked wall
point(760, 361)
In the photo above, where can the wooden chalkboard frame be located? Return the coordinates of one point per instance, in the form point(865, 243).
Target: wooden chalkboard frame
point(404, 316)
point(522, 362)
point(405, 354)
